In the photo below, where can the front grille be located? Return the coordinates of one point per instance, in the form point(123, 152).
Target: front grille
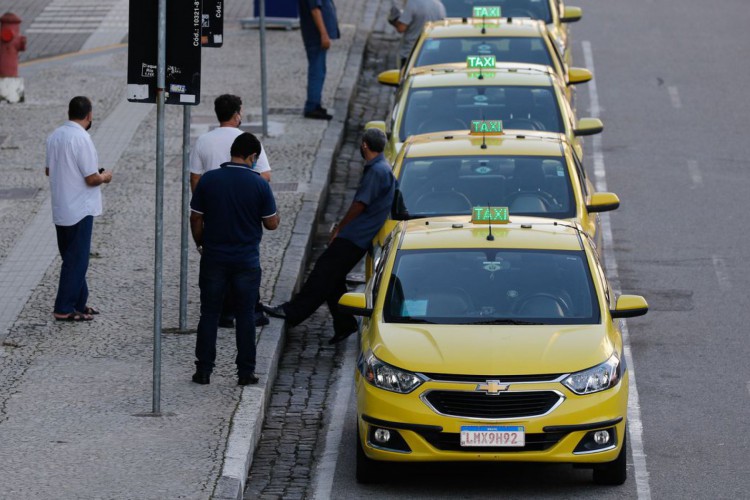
point(482, 405)
point(448, 441)
point(504, 379)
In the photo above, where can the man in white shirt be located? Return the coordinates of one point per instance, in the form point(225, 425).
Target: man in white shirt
point(411, 20)
point(74, 178)
point(210, 151)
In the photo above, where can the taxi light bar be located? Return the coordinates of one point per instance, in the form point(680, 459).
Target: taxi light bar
point(486, 127)
point(480, 62)
point(489, 11)
point(490, 215)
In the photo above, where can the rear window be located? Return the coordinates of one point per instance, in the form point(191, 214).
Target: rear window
point(491, 286)
point(438, 109)
point(505, 49)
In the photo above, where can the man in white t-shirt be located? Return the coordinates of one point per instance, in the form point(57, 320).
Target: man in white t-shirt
point(74, 178)
point(210, 151)
point(411, 20)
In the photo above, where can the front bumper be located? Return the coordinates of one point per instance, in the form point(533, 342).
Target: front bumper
point(555, 436)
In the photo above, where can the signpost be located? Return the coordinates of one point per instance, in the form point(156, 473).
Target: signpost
point(212, 23)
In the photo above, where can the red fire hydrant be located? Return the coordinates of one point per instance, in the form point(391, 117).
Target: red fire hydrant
point(11, 43)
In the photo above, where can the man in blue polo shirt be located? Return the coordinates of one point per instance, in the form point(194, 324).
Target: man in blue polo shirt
point(350, 240)
point(230, 207)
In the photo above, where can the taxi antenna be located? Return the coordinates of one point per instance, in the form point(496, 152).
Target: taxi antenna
point(484, 31)
point(484, 132)
point(489, 223)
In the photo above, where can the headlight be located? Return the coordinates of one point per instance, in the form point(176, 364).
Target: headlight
point(595, 379)
point(384, 376)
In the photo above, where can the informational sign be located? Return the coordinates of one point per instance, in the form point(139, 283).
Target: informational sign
point(183, 51)
point(487, 215)
point(488, 127)
point(212, 23)
point(480, 62)
point(492, 12)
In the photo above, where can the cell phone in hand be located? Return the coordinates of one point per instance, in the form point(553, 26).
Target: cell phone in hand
point(101, 170)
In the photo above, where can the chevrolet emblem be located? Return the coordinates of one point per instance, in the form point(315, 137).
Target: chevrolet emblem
point(493, 387)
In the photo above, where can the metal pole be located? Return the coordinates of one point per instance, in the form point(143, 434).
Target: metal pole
point(185, 211)
point(263, 83)
point(159, 212)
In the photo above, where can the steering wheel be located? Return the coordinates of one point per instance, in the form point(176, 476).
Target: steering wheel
point(549, 201)
point(424, 127)
point(522, 302)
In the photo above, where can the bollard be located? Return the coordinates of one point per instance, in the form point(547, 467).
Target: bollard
point(11, 43)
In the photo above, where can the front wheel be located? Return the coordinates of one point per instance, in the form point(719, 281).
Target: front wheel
point(616, 472)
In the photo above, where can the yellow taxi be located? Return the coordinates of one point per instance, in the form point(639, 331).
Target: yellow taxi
point(491, 340)
point(509, 40)
point(523, 96)
point(533, 173)
point(553, 12)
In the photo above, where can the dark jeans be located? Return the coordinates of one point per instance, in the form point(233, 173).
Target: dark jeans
point(228, 307)
point(316, 76)
point(214, 279)
point(74, 243)
point(327, 283)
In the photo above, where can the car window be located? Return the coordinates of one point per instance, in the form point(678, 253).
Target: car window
point(527, 185)
point(437, 109)
point(491, 286)
point(535, 9)
point(505, 49)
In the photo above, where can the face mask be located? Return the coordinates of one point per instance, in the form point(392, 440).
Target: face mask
point(362, 150)
point(89, 125)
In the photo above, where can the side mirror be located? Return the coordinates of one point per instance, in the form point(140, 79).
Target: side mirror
point(571, 15)
point(392, 78)
point(380, 125)
point(354, 303)
point(588, 126)
point(603, 202)
point(579, 75)
point(629, 306)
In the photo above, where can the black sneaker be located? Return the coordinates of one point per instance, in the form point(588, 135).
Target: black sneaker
point(275, 311)
point(261, 319)
point(318, 114)
point(247, 379)
point(202, 378)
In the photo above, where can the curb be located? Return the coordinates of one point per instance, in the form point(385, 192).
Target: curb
point(247, 420)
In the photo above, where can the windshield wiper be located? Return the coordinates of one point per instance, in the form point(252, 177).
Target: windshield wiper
point(409, 319)
point(505, 321)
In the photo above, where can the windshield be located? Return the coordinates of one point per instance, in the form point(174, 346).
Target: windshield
point(505, 49)
point(527, 185)
point(535, 9)
point(491, 286)
point(437, 109)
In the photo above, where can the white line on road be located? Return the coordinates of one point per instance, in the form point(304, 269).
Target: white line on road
point(695, 173)
point(722, 275)
point(635, 424)
point(326, 468)
point(674, 96)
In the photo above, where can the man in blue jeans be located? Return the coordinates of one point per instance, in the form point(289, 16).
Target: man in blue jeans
point(230, 207)
point(319, 25)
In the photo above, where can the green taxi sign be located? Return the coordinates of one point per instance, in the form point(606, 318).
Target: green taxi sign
point(490, 11)
point(487, 127)
point(490, 215)
point(480, 62)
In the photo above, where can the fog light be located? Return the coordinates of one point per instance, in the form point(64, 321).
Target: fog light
point(601, 437)
point(382, 436)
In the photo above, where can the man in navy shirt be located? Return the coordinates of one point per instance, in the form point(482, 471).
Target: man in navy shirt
point(230, 207)
point(350, 240)
point(319, 25)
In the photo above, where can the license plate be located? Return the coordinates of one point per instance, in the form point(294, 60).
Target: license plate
point(500, 436)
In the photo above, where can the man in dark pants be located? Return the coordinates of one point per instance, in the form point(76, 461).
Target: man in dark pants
point(349, 242)
point(319, 25)
point(75, 179)
point(230, 207)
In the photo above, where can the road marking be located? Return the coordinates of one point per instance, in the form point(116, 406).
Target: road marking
point(722, 275)
point(75, 17)
point(695, 173)
point(635, 424)
point(326, 468)
point(674, 96)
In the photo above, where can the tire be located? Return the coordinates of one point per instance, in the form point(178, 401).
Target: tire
point(368, 471)
point(616, 472)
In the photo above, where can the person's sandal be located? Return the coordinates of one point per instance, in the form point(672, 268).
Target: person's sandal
point(90, 311)
point(74, 316)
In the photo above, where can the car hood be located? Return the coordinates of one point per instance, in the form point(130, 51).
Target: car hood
point(492, 350)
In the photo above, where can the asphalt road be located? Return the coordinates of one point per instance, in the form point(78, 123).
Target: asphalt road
point(670, 80)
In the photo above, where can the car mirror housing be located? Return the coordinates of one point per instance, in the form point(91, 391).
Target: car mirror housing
point(380, 125)
point(391, 77)
point(629, 306)
point(354, 303)
point(588, 126)
point(603, 202)
point(571, 14)
point(579, 75)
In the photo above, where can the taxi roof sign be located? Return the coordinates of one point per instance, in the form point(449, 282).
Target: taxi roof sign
point(489, 11)
point(490, 215)
point(480, 62)
point(486, 127)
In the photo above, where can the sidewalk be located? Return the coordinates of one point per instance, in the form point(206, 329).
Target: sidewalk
point(75, 398)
